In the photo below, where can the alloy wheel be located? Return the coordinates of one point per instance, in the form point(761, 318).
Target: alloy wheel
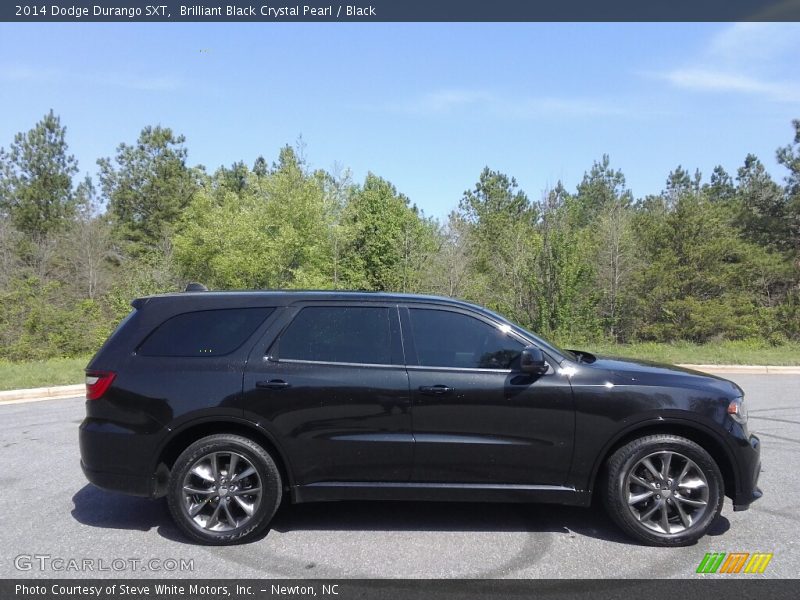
point(667, 492)
point(221, 491)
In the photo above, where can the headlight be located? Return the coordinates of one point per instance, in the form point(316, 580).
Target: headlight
point(738, 411)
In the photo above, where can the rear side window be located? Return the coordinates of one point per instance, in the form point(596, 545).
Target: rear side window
point(341, 334)
point(204, 333)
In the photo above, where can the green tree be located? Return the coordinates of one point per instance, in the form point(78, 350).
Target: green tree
point(603, 204)
point(701, 280)
point(721, 187)
point(497, 222)
point(36, 179)
point(147, 187)
point(567, 295)
point(762, 208)
point(600, 188)
point(789, 157)
point(386, 239)
point(272, 235)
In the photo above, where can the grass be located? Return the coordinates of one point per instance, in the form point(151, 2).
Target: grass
point(63, 371)
point(745, 352)
point(41, 373)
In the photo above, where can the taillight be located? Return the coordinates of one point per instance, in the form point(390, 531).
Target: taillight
point(97, 382)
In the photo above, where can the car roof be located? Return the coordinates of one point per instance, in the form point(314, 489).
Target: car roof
point(173, 303)
point(290, 296)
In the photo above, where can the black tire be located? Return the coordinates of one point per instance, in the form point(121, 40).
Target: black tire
point(701, 483)
point(234, 525)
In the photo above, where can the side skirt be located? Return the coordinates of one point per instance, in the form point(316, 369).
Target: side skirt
point(422, 491)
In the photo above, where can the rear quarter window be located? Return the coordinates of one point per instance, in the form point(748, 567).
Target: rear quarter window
point(204, 333)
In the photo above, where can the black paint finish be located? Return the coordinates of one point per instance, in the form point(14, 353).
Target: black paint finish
point(399, 430)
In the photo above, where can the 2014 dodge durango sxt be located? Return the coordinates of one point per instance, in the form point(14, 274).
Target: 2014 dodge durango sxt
point(225, 402)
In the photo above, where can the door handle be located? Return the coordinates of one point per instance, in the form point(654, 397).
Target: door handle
point(435, 390)
point(272, 384)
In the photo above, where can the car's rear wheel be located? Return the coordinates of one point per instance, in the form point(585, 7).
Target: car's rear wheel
point(663, 490)
point(224, 489)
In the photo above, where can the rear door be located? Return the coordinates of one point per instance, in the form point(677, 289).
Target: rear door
point(477, 418)
point(333, 389)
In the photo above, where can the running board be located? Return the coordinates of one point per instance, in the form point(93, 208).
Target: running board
point(435, 491)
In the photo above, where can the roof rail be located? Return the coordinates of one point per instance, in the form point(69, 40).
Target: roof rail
point(193, 286)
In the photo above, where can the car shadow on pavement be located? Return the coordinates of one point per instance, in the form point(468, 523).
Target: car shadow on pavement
point(98, 508)
point(107, 510)
point(447, 516)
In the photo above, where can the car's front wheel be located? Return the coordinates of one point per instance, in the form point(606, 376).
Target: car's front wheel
point(663, 490)
point(224, 489)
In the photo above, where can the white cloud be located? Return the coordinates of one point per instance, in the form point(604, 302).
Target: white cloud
point(27, 74)
point(23, 74)
point(143, 84)
point(718, 81)
point(443, 101)
point(746, 58)
point(450, 101)
point(754, 41)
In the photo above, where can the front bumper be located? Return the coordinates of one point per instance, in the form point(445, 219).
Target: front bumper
point(750, 468)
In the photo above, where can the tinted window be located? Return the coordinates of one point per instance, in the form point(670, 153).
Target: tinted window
point(351, 334)
point(204, 333)
point(449, 339)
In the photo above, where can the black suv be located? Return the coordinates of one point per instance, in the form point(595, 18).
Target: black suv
point(225, 402)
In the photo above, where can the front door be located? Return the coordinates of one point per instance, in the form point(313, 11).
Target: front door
point(477, 418)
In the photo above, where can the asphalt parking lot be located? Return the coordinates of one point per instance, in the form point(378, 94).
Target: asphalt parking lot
point(49, 509)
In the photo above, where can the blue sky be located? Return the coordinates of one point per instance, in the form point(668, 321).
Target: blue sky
point(426, 106)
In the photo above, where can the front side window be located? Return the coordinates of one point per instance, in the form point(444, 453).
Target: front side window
point(346, 334)
point(449, 339)
point(204, 333)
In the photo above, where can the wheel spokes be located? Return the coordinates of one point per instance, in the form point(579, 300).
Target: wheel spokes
point(232, 465)
point(684, 472)
point(228, 515)
point(664, 518)
point(195, 510)
point(214, 519)
point(203, 472)
point(197, 491)
point(650, 512)
point(246, 492)
point(685, 519)
point(635, 499)
point(215, 465)
point(250, 470)
point(692, 484)
point(212, 494)
point(690, 502)
point(248, 508)
point(666, 461)
point(662, 503)
point(650, 467)
point(642, 482)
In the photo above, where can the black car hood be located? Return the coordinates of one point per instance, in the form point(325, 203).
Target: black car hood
point(652, 373)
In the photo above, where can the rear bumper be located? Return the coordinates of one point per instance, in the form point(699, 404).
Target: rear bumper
point(750, 461)
point(118, 459)
point(134, 485)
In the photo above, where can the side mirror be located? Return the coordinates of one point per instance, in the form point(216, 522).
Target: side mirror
point(532, 361)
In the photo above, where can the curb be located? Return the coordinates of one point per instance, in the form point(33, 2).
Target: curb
point(43, 393)
point(746, 369)
point(71, 391)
